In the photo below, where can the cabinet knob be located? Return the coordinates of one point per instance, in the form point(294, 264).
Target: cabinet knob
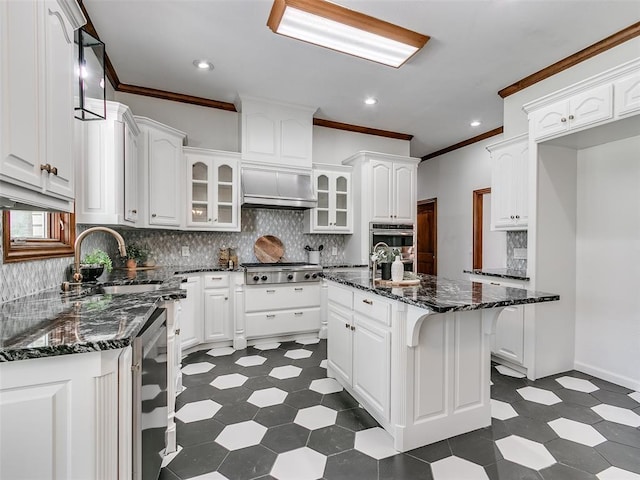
point(511, 217)
point(209, 220)
point(46, 168)
point(346, 325)
point(563, 119)
point(153, 215)
point(177, 331)
point(215, 219)
point(54, 170)
point(353, 328)
point(517, 216)
point(134, 211)
point(571, 117)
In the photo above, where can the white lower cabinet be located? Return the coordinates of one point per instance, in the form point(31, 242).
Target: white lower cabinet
point(207, 312)
point(272, 310)
point(191, 325)
point(217, 325)
point(60, 416)
point(359, 347)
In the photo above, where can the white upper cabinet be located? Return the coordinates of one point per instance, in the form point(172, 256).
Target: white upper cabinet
point(607, 97)
point(213, 189)
point(393, 191)
point(334, 213)
point(36, 81)
point(161, 200)
point(107, 165)
point(583, 109)
point(509, 184)
point(627, 94)
point(276, 133)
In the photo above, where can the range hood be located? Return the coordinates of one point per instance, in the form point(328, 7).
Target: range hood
point(277, 189)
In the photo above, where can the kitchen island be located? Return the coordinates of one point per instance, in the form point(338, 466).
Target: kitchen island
point(417, 358)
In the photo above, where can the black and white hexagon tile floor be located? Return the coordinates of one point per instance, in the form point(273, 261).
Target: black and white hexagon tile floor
point(270, 412)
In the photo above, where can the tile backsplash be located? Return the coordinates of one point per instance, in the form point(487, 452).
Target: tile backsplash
point(23, 278)
point(516, 240)
point(166, 245)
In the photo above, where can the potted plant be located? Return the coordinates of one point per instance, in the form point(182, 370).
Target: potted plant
point(93, 264)
point(136, 254)
point(384, 255)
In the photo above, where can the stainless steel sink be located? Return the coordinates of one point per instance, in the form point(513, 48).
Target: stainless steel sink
point(124, 289)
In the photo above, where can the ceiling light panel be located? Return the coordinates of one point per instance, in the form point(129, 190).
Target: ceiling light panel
point(338, 28)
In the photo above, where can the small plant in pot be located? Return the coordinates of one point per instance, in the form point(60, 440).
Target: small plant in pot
point(384, 257)
point(137, 254)
point(93, 264)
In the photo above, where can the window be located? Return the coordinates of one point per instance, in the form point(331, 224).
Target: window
point(37, 235)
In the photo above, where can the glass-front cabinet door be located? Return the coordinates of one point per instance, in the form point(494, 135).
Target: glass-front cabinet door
point(333, 211)
point(213, 189)
point(199, 205)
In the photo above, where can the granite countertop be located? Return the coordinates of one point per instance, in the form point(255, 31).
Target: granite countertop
point(440, 294)
point(51, 322)
point(500, 272)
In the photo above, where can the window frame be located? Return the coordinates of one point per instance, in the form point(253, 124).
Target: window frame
point(60, 244)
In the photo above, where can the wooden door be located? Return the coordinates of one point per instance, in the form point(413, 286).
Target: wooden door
point(427, 236)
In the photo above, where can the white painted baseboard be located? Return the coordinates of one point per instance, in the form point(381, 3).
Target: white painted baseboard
point(608, 376)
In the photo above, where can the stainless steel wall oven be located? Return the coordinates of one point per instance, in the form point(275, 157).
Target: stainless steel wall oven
point(400, 236)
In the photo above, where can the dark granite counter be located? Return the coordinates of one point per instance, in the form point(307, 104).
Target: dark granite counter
point(440, 294)
point(501, 273)
point(52, 323)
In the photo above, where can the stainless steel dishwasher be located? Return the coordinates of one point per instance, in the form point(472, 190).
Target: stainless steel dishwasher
point(150, 397)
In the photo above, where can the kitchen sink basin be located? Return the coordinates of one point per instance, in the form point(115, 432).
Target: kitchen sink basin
point(124, 289)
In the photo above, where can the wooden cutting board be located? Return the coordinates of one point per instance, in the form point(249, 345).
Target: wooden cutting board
point(268, 249)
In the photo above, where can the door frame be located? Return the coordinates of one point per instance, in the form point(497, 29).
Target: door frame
point(477, 225)
point(433, 200)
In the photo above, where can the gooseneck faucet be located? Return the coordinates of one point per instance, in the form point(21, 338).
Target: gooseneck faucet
point(77, 276)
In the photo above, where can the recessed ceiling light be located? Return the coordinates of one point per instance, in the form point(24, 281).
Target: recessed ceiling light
point(370, 101)
point(329, 25)
point(203, 64)
point(475, 123)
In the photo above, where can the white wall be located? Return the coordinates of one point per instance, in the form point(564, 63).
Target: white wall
point(515, 120)
point(333, 146)
point(206, 127)
point(607, 254)
point(452, 178)
point(219, 129)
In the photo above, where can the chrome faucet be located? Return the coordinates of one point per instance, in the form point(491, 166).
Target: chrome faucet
point(77, 276)
point(374, 263)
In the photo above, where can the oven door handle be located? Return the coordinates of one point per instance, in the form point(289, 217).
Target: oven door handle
point(392, 233)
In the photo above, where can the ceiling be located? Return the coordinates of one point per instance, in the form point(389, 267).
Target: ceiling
point(477, 47)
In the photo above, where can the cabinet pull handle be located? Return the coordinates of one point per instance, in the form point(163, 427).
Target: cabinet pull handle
point(298, 289)
point(46, 168)
point(297, 314)
point(271, 291)
point(494, 283)
point(271, 315)
point(563, 120)
point(571, 117)
point(216, 278)
point(134, 211)
point(368, 302)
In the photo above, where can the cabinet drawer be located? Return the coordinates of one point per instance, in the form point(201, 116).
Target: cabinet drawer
point(216, 280)
point(281, 297)
point(373, 307)
point(282, 323)
point(341, 296)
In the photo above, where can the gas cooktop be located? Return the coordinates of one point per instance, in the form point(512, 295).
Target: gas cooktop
point(281, 272)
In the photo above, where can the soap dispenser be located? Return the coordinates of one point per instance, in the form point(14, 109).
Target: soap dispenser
point(397, 270)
